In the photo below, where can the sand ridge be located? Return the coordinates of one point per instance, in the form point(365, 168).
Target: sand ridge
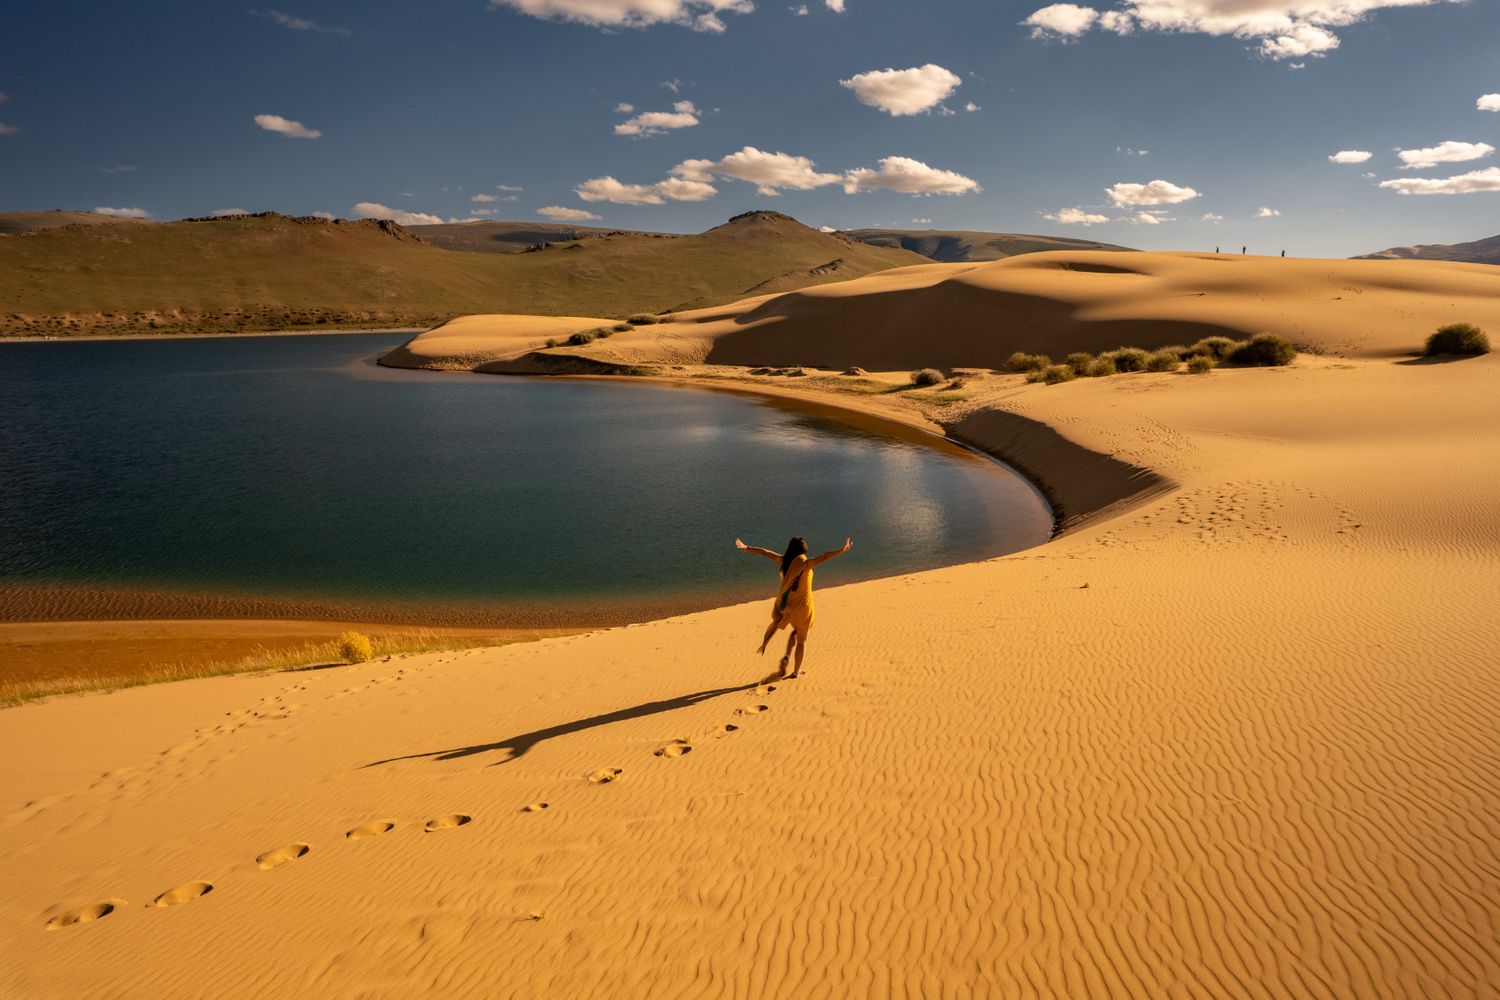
point(1230, 735)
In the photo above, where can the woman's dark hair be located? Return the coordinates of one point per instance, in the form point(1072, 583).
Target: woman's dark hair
point(796, 547)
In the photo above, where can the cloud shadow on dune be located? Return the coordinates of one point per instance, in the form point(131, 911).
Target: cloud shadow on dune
point(516, 746)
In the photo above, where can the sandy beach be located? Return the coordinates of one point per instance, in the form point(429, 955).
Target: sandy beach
point(1230, 734)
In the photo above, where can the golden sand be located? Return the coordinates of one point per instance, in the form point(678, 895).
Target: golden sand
point(1231, 735)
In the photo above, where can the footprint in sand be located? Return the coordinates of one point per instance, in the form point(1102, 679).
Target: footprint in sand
point(605, 775)
point(728, 728)
point(185, 893)
point(446, 822)
point(369, 830)
point(677, 749)
point(752, 710)
point(535, 807)
point(280, 856)
point(84, 914)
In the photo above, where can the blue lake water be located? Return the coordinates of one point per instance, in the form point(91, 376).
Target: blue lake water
point(293, 468)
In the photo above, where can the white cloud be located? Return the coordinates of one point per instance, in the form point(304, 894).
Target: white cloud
point(1061, 20)
point(226, 213)
point(507, 187)
point(921, 222)
point(1075, 217)
point(1488, 102)
point(1128, 151)
point(287, 127)
point(837, 6)
point(624, 109)
point(323, 215)
point(1267, 213)
point(483, 197)
point(971, 106)
point(901, 173)
point(800, 10)
point(298, 23)
point(1473, 182)
point(1281, 29)
point(9, 129)
point(123, 213)
point(649, 123)
point(1444, 152)
point(903, 91)
point(561, 213)
point(676, 188)
point(827, 229)
point(1157, 192)
point(1350, 156)
point(375, 210)
point(700, 15)
point(1211, 217)
point(1147, 219)
point(769, 172)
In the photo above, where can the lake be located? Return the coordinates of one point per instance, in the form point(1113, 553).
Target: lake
point(290, 476)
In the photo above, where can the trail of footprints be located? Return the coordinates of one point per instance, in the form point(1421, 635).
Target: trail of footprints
point(277, 857)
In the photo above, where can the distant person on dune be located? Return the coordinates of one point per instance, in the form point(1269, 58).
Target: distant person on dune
point(794, 604)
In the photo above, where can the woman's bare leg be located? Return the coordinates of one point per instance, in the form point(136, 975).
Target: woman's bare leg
point(801, 647)
point(770, 631)
point(790, 640)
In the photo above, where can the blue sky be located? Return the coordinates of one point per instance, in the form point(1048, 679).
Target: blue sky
point(421, 107)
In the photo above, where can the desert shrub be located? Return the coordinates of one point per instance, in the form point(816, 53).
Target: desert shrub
point(602, 332)
point(1263, 350)
point(551, 341)
point(1217, 348)
point(1101, 367)
point(1052, 375)
point(1458, 338)
point(957, 383)
point(851, 370)
point(355, 647)
point(1163, 361)
point(926, 376)
point(1201, 364)
point(643, 319)
point(1080, 362)
point(1128, 359)
point(581, 338)
point(621, 327)
point(1181, 352)
point(1020, 362)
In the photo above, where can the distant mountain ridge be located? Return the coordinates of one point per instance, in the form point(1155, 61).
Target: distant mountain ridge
point(1485, 251)
point(959, 245)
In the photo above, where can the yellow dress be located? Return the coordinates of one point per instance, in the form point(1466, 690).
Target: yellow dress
point(794, 603)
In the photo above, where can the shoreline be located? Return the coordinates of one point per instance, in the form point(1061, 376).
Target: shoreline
point(44, 338)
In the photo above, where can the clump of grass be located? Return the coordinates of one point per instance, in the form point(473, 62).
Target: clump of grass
point(1128, 359)
point(1182, 352)
point(621, 327)
point(603, 332)
point(1164, 361)
point(1021, 362)
point(1217, 348)
point(1201, 364)
point(551, 341)
point(957, 383)
point(1080, 362)
point(643, 319)
point(1053, 374)
point(1263, 350)
point(1458, 338)
point(926, 376)
point(354, 647)
point(581, 338)
point(1101, 367)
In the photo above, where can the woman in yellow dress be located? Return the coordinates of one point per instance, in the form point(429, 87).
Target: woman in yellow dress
point(794, 603)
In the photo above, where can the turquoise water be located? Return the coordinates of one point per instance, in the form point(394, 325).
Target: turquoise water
point(294, 468)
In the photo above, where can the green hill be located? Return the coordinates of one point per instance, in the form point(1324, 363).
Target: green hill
point(269, 271)
point(955, 246)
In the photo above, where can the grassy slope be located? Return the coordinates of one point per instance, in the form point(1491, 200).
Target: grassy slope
point(955, 246)
point(500, 236)
point(27, 222)
point(271, 272)
point(1486, 251)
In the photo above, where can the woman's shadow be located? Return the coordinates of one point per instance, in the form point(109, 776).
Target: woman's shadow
point(518, 745)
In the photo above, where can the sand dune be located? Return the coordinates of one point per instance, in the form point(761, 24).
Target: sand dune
point(1231, 735)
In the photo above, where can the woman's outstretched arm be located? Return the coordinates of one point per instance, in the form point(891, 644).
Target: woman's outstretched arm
point(832, 553)
point(757, 550)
